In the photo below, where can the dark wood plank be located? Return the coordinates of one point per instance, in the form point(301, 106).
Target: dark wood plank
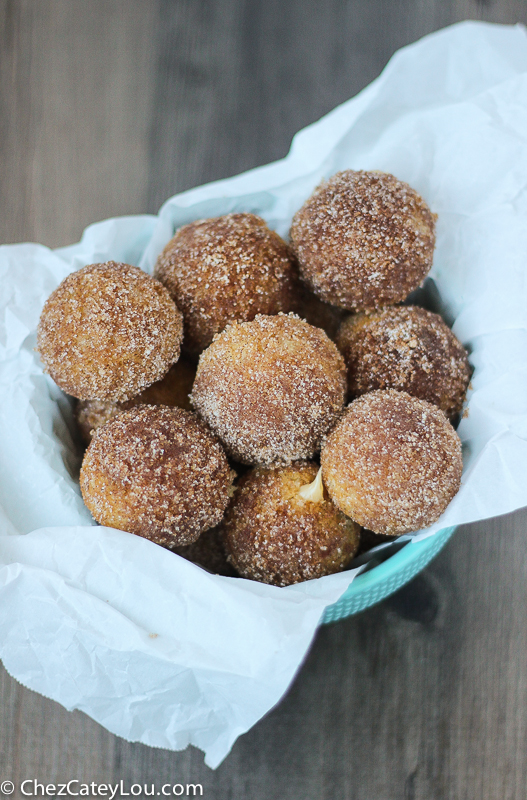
point(237, 79)
point(108, 108)
point(75, 116)
point(77, 91)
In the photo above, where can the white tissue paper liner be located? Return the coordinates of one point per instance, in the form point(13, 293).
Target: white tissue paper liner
point(149, 645)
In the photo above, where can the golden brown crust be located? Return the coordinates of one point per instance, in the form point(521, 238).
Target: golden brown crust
point(407, 349)
point(363, 240)
point(224, 269)
point(275, 536)
point(172, 390)
point(393, 462)
point(157, 472)
point(108, 331)
point(270, 389)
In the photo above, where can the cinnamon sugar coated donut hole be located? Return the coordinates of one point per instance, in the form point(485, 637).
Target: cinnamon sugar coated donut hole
point(392, 463)
point(108, 331)
point(272, 534)
point(270, 389)
point(224, 269)
point(172, 390)
point(363, 240)
point(408, 349)
point(157, 472)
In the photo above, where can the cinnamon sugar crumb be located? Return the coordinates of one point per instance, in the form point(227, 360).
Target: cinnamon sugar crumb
point(363, 240)
point(270, 389)
point(393, 463)
point(108, 331)
point(274, 535)
point(407, 349)
point(223, 269)
point(157, 472)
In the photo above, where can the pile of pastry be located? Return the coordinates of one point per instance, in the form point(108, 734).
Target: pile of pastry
point(212, 395)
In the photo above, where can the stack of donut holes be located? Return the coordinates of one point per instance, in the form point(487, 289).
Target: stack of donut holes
point(212, 395)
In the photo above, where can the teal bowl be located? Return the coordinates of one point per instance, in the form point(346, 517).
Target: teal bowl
point(383, 579)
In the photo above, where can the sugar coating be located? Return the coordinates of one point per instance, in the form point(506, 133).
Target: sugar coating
point(408, 349)
point(275, 536)
point(108, 331)
point(363, 240)
point(157, 472)
point(270, 389)
point(172, 390)
point(393, 462)
point(223, 269)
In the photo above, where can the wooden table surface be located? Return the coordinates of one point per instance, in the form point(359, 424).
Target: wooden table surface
point(108, 107)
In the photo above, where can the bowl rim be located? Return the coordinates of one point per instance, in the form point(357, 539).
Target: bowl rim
point(409, 552)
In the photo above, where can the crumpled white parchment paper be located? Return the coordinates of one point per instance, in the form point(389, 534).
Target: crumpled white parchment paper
point(149, 645)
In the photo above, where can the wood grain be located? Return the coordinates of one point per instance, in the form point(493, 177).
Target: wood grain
point(77, 91)
point(107, 108)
